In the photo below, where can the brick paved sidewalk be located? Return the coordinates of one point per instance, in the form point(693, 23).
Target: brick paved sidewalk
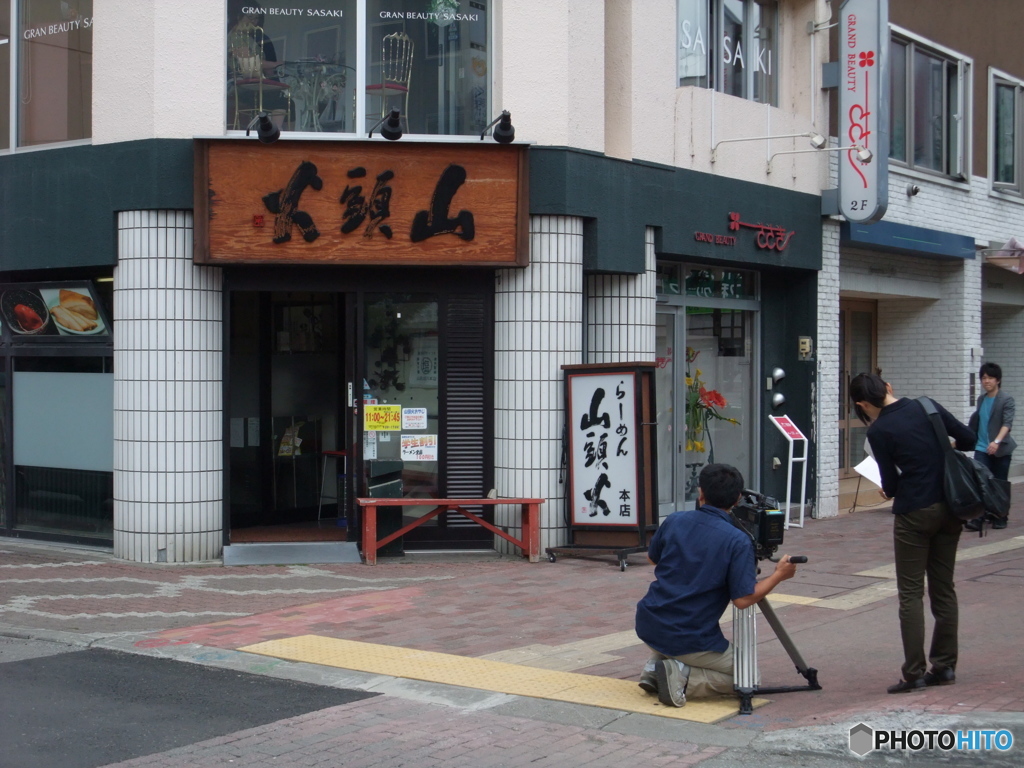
point(391, 732)
point(574, 615)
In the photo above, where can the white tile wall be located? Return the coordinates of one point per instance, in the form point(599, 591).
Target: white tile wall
point(825, 429)
point(538, 328)
point(168, 473)
point(1003, 340)
point(621, 313)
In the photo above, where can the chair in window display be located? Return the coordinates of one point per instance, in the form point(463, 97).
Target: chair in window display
point(254, 89)
point(395, 73)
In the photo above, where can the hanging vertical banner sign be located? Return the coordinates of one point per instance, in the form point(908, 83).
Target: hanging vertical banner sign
point(864, 108)
point(603, 449)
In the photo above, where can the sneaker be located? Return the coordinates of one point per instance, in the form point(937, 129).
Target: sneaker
point(648, 678)
point(672, 678)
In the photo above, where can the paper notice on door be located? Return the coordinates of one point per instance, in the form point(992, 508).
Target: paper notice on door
point(369, 445)
point(419, 447)
point(868, 469)
point(254, 432)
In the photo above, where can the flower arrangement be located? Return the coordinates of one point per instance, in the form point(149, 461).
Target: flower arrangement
point(702, 407)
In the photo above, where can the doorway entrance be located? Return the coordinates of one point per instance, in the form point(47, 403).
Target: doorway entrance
point(858, 353)
point(336, 395)
point(705, 350)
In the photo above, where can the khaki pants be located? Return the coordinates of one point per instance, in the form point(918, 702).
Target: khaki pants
point(925, 542)
point(710, 673)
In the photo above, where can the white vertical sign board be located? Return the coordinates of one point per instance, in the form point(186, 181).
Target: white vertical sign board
point(793, 436)
point(603, 435)
point(864, 108)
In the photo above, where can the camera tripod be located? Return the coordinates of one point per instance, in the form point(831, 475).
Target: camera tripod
point(745, 658)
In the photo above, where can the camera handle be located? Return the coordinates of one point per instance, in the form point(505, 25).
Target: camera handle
point(745, 642)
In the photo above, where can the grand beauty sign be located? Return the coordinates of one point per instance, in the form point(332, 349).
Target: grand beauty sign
point(360, 202)
point(864, 108)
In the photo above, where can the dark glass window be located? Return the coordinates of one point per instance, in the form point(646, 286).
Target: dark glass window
point(54, 71)
point(928, 108)
point(729, 45)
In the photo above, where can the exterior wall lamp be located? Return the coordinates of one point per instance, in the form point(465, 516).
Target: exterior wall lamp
point(504, 132)
point(266, 131)
point(817, 140)
point(863, 153)
point(390, 126)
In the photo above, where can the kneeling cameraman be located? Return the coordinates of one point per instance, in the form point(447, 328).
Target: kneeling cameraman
point(703, 559)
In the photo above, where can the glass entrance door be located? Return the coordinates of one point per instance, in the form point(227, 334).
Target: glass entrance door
point(706, 414)
point(858, 322)
point(285, 414)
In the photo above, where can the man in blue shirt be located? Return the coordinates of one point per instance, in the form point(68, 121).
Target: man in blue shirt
point(703, 559)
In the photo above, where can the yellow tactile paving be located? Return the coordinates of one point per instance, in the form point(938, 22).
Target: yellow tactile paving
point(488, 675)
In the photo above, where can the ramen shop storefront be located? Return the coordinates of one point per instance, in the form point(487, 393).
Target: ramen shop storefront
point(359, 284)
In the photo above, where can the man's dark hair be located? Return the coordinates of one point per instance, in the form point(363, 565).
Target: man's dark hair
point(993, 370)
point(869, 388)
point(722, 485)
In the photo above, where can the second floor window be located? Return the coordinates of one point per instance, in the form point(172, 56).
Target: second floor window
point(927, 117)
point(338, 66)
point(1007, 97)
point(730, 46)
point(46, 57)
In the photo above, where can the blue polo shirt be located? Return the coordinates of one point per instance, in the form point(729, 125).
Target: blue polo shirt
point(702, 562)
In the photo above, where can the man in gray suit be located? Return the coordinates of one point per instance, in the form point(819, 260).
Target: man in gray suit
point(992, 421)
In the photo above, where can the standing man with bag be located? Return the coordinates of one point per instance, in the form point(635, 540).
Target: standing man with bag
point(992, 421)
point(925, 533)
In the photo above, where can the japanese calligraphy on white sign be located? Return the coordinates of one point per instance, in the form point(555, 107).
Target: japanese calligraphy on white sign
point(603, 442)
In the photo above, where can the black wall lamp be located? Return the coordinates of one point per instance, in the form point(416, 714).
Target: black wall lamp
point(266, 131)
point(390, 126)
point(503, 132)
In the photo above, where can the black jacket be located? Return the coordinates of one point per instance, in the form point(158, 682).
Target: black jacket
point(909, 455)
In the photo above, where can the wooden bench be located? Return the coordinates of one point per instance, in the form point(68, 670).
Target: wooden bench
point(529, 544)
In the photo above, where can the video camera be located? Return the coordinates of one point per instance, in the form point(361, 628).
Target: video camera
point(761, 518)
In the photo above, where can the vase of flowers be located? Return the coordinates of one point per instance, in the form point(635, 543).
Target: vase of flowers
point(703, 406)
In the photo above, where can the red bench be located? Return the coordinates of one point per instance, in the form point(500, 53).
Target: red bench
point(529, 544)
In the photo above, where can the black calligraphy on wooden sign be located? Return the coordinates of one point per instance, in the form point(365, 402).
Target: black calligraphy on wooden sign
point(361, 203)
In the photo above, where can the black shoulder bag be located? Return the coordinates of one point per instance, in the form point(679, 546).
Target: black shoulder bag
point(968, 486)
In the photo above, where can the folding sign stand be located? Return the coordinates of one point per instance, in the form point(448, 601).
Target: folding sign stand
point(793, 435)
point(611, 458)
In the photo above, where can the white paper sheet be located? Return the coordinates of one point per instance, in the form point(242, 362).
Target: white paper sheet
point(869, 470)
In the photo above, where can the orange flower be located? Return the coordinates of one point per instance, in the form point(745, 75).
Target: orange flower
point(712, 398)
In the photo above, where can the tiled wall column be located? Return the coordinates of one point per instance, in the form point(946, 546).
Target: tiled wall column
point(168, 468)
point(620, 313)
point(538, 328)
point(825, 432)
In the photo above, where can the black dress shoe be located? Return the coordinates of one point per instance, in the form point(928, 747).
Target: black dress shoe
point(973, 525)
point(940, 677)
point(903, 686)
point(999, 524)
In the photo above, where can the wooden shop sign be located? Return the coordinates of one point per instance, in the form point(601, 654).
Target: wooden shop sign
point(360, 202)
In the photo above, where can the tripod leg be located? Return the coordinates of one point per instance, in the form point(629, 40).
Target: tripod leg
point(809, 673)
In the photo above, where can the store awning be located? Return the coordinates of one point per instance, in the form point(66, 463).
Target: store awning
point(1008, 256)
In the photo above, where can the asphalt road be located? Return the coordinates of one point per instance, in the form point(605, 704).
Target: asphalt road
point(74, 708)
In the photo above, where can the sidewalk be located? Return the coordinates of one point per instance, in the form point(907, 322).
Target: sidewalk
point(575, 615)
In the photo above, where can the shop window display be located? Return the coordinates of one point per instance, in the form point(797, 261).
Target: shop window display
point(428, 58)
